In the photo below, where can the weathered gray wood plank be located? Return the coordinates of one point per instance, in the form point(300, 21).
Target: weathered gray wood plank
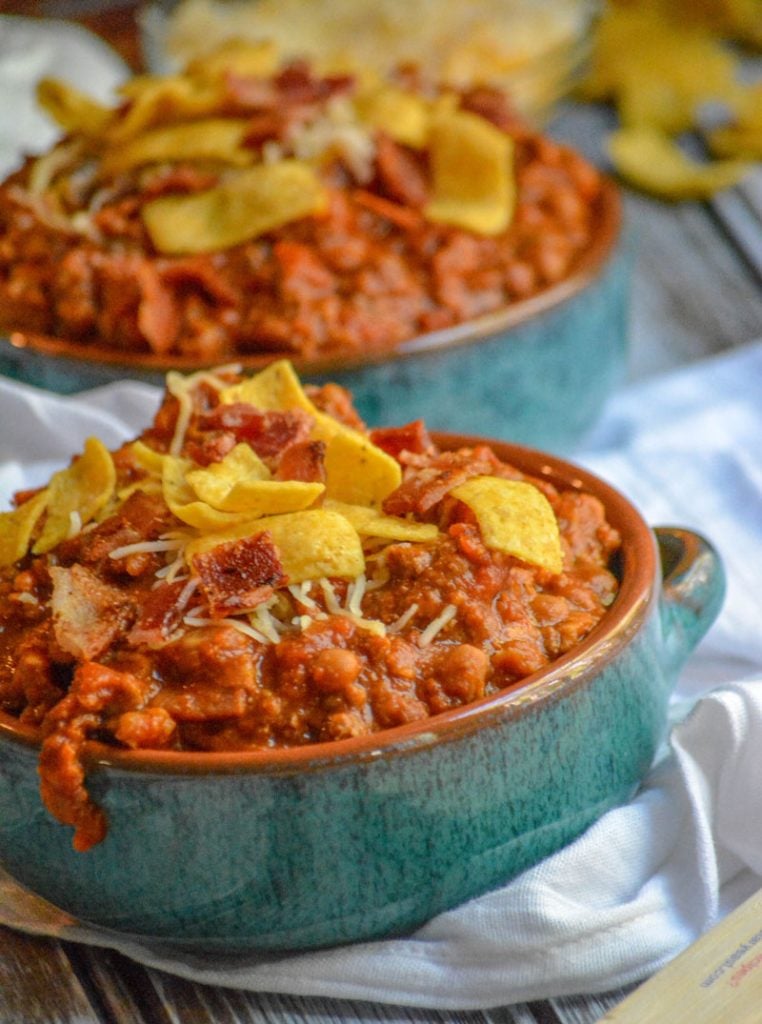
point(38, 985)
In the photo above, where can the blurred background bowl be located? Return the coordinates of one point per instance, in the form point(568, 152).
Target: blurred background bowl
point(534, 49)
point(537, 372)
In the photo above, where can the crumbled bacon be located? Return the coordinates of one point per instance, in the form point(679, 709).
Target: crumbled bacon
point(268, 433)
point(239, 574)
point(88, 614)
point(161, 612)
point(424, 487)
point(142, 517)
point(303, 461)
point(400, 174)
point(412, 437)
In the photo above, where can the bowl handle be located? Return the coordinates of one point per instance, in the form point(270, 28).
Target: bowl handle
point(693, 589)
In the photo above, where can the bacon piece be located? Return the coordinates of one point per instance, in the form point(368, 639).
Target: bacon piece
point(402, 216)
point(425, 487)
point(303, 275)
point(142, 517)
point(159, 314)
point(303, 461)
point(161, 613)
point(335, 401)
point(412, 437)
point(88, 614)
point(199, 274)
point(494, 106)
point(239, 574)
point(400, 174)
point(269, 433)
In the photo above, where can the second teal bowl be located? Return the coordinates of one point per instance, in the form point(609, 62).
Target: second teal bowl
point(370, 837)
point(538, 372)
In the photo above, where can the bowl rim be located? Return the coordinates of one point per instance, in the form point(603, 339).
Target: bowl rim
point(587, 268)
point(638, 590)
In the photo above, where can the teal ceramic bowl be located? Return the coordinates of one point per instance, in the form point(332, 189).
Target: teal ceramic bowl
point(538, 372)
point(370, 837)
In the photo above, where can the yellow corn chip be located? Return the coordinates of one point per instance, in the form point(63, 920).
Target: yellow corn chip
point(71, 109)
point(16, 528)
point(514, 517)
point(217, 139)
point(311, 544)
point(240, 483)
point(154, 100)
point(472, 174)
point(148, 458)
point(743, 137)
point(357, 471)
point(402, 115)
point(77, 494)
point(650, 160)
point(244, 206)
point(182, 501)
point(370, 523)
point(275, 388)
point(236, 56)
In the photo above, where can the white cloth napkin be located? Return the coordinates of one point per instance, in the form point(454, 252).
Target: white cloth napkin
point(31, 49)
point(649, 877)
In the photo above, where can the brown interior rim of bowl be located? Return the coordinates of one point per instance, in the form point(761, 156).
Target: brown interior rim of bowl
point(636, 591)
point(586, 269)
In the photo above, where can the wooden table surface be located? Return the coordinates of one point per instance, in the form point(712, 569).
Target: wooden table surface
point(697, 291)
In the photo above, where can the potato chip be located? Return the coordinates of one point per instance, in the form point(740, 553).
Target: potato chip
point(650, 160)
point(241, 483)
point(216, 139)
point(311, 544)
point(515, 517)
point(182, 501)
point(370, 523)
point(17, 526)
point(77, 494)
point(71, 109)
point(244, 206)
point(472, 174)
point(357, 471)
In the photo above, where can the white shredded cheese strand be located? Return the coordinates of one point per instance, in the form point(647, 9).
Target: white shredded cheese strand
point(299, 592)
point(355, 594)
point(75, 524)
point(180, 387)
point(145, 547)
point(437, 624)
point(400, 623)
point(242, 627)
point(331, 601)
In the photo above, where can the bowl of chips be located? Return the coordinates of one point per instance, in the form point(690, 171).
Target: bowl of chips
point(420, 245)
point(270, 680)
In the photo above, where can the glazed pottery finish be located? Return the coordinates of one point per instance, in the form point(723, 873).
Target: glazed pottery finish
point(372, 836)
point(537, 372)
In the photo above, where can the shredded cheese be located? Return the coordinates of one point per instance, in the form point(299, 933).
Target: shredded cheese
point(146, 547)
point(75, 524)
point(446, 615)
point(399, 624)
